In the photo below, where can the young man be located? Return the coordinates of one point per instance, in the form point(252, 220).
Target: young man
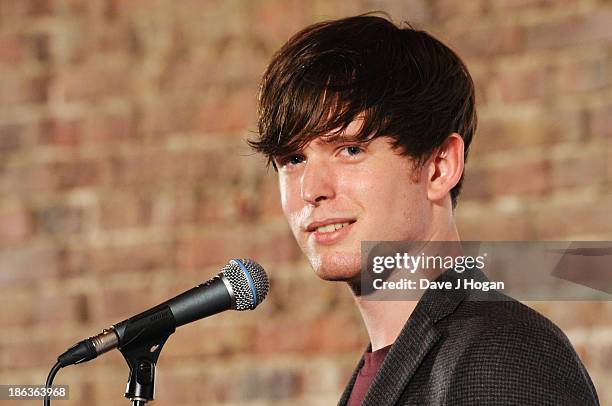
point(369, 126)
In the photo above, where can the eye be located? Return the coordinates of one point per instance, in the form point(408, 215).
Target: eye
point(291, 160)
point(352, 150)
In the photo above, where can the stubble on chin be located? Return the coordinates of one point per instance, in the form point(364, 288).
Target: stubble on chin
point(336, 267)
point(352, 278)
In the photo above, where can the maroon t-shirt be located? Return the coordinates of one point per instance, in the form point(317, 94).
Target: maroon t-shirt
point(371, 364)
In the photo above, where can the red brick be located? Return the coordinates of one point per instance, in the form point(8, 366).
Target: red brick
point(222, 59)
point(268, 197)
point(271, 246)
point(40, 7)
point(230, 112)
point(39, 47)
point(601, 121)
point(111, 126)
point(413, 11)
point(221, 205)
point(25, 177)
point(144, 256)
point(584, 75)
point(574, 314)
point(214, 249)
point(516, 4)
point(91, 83)
point(482, 77)
point(274, 22)
point(59, 219)
point(446, 9)
point(20, 180)
point(230, 205)
point(145, 168)
point(183, 389)
point(486, 41)
point(528, 127)
point(173, 210)
point(521, 177)
point(123, 303)
point(11, 10)
point(16, 223)
point(46, 310)
point(11, 50)
point(124, 210)
point(268, 384)
point(21, 90)
point(170, 116)
point(221, 164)
point(606, 356)
point(501, 225)
point(330, 297)
point(11, 138)
point(475, 184)
point(570, 31)
point(586, 166)
point(34, 262)
point(609, 164)
point(74, 174)
point(31, 353)
point(323, 335)
point(558, 220)
point(183, 167)
point(524, 84)
point(207, 338)
point(65, 132)
point(77, 7)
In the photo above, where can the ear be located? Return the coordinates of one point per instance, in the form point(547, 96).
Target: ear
point(445, 167)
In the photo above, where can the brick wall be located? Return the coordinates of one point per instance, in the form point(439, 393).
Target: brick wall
point(125, 179)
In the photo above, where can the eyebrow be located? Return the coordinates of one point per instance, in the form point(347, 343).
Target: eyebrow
point(340, 138)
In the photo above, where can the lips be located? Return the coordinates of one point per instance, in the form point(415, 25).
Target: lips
point(330, 231)
point(329, 225)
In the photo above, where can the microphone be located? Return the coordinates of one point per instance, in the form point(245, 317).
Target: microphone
point(242, 284)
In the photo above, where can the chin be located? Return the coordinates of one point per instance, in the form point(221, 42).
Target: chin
point(336, 266)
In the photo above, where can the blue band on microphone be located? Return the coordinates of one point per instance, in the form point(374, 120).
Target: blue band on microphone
point(249, 279)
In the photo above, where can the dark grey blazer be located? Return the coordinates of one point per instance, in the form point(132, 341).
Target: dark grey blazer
point(455, 350)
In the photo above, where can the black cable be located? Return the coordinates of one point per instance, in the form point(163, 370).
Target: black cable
point(52, 373)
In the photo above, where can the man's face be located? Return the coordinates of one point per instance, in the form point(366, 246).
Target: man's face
point(337, 194)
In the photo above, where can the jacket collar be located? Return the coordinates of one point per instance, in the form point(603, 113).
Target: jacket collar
point(416, 339)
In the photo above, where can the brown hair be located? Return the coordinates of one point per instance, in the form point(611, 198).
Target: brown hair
point(403, 82)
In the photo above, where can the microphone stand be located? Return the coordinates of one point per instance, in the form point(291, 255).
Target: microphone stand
point(141, 356)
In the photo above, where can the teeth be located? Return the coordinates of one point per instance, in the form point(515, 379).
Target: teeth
point(331, 227)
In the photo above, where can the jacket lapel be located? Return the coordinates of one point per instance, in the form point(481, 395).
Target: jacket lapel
point(416, 339)
point(349, 387)
point(403, 359)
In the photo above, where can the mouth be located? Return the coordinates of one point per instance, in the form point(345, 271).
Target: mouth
point(332, 227)
point(330, 231)
point(329, 225)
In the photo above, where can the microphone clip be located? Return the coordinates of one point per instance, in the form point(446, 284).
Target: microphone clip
point(143, 338)
point(141, 358)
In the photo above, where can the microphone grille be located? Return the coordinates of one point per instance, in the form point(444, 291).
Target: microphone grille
point(249, 282)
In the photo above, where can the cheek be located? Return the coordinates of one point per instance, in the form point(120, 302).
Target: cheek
point(286, 194)
point(292, 204)
point(391, 200)
point(377, 191)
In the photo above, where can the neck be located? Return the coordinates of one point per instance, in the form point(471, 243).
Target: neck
point(384, 320)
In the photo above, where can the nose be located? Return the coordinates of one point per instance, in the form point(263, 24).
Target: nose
point(317, 182)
